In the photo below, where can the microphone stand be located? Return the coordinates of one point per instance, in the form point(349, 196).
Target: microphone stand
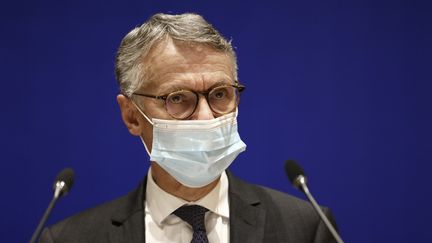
point(301, 181)
point(57, 193)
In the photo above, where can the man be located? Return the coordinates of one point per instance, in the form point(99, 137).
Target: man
point(179, 94)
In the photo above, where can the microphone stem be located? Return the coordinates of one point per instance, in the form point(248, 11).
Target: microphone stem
point(45, 216)
point(320, 212)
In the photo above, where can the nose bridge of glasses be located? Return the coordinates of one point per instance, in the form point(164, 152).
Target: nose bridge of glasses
point(203, 94)
point(203, 109)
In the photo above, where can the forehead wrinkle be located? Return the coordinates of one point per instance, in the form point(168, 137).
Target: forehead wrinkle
point(182, 52)
point(170, 61)
point(185, 75)
point(197, 83)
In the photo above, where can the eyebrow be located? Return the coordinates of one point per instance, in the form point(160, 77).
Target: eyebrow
point(221, 82)
point(176, 87)
point(171, 88)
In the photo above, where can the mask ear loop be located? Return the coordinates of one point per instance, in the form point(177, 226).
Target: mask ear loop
point(145, 146)
point(148, 119)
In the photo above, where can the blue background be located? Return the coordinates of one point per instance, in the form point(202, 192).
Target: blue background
point(343, 87)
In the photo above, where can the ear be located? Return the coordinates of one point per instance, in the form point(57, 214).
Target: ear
point(129, 115)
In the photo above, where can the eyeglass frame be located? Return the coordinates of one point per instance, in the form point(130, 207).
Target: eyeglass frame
point(240, 88)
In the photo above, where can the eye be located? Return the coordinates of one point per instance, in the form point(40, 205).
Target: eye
point(219, 93)
point(176, 98)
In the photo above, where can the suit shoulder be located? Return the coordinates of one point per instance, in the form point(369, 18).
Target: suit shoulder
point(282, 199)
point(98, 214)
point(282, 206)
point(97, 221)
point(286, 218)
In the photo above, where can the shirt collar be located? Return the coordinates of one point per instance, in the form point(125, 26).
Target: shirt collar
point(160, 204)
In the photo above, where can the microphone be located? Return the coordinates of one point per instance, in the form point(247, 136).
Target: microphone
point(296, 175)
point(62, 185)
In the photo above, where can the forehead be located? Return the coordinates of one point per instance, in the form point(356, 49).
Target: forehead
point(176, 63)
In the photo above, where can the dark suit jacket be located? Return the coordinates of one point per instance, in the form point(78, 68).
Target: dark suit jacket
point(257, 214)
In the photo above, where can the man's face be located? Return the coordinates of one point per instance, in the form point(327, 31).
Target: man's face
point(174, 65)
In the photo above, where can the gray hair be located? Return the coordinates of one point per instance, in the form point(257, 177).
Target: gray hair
point(188, 27)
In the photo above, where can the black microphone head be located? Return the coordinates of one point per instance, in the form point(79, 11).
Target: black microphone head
point(293, 171)
point(66, 176)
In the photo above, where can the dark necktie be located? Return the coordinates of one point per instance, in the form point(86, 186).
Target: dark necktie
point(194, 215)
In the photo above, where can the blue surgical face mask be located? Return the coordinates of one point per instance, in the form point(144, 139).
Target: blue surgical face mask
point(195, 152)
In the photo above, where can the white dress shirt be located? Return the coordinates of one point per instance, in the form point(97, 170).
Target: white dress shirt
point(162, 226)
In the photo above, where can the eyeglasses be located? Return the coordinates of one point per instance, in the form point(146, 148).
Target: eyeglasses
point(181, 104)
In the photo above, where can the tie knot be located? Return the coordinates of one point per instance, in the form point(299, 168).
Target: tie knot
point(193, 215)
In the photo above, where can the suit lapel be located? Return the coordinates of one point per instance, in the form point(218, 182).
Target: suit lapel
point(247, 219)
point(128, 221)
point(131, 231)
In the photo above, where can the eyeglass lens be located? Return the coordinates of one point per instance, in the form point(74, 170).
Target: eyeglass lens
point(181, 104)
